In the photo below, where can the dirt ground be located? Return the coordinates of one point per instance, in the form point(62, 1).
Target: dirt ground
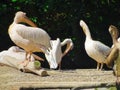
point(13, 78)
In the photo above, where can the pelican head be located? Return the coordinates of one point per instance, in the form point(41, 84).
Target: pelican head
point(83, 25)
point(21, 17)
point(85, 29)
point(114, 32)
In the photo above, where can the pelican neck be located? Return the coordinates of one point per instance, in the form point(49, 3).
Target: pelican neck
point(87, 33)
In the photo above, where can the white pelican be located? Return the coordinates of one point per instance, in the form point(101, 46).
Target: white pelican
point(31, 39)
point(113, 60)
point(55, 54)
point(14, 50)
point(18, 54)
point(95, 49)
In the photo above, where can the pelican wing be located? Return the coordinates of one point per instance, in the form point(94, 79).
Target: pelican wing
point(102, 48)
point(36, 35)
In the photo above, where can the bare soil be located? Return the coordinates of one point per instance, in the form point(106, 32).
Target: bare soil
point(15, 79)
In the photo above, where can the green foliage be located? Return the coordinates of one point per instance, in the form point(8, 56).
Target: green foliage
point(23, 1)
point(14, 0)
point(34, 19)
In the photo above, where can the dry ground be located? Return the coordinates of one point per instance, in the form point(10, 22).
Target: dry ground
point(13, 79)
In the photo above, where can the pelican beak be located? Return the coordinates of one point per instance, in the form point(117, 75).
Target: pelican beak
point(37, 57)
point(29, 22)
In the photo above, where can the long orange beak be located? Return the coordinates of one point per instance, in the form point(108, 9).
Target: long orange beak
point(37, 57)
point(29, 22)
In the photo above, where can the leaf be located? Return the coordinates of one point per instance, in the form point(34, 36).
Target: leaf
point(14, 0)
point(100, 18)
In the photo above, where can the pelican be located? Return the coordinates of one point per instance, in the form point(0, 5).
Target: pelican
point(113, 60)
point(95, 49)
point(31, 39)
point(55, 54)
point(18, 54)
point(17, 50)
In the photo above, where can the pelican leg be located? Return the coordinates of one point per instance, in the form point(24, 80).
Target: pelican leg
point(59, 64)
point(101, 66)
point(98, 65)
point(29, 58)
point(26, 61)
point(26, 55)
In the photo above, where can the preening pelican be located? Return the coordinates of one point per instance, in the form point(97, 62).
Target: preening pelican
point(95, 49)
point(113, 60)
point(55, 54)
point(31, 39)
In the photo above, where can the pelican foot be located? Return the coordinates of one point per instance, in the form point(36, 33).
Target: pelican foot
point(24, 63)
